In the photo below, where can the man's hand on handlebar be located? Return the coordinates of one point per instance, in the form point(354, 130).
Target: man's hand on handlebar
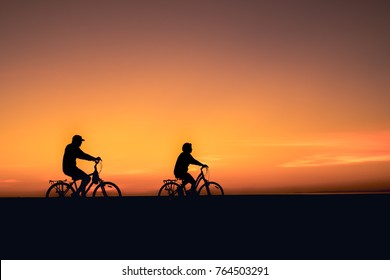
point(205, 166)
point(97, 159)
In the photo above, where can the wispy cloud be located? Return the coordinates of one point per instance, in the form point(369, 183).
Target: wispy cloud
point(132, 172)
point(9, 181)
point(377, 140)
point(327, 160)
point(297, 144)
point(211, 158)
point(338, 149)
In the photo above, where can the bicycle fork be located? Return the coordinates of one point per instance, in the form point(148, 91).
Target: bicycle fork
point(208, 188)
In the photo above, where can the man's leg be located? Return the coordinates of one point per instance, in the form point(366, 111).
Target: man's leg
point(189, 179)
point(78, 174)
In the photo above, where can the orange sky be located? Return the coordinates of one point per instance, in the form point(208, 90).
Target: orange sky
point(274, 97)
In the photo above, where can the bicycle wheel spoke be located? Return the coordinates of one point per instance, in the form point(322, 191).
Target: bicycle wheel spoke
point(211, 188)
point(60, 189)
point(169, 189)
point(107, 189)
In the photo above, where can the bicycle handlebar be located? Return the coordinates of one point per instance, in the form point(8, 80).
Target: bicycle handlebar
point(97, 162)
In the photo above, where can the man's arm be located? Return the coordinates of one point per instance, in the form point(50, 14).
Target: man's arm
point(82, 155)
point(195, 162)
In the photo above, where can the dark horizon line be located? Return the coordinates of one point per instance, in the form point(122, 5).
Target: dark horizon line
point(344, 193)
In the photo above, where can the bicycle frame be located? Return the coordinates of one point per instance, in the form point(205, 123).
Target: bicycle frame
point(88, 188)
point(198, 180)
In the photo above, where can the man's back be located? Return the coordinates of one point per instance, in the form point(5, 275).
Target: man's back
point(70, 155)
point(182, 163)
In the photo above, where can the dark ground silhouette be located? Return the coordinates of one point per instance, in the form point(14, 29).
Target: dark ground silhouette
point(229, 227)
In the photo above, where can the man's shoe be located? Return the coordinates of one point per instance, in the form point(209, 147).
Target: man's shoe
point(75, 194)
point(194, 193)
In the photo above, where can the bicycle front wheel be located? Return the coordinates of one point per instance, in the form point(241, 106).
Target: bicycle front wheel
point(106, 189)
point(169, 189)
point(211, 188)
point(60, 189)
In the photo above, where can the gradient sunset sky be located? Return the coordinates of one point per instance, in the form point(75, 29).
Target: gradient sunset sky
point(275, 96)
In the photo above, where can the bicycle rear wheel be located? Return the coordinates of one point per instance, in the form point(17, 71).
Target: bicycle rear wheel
point(60, 189)
point(107, 189)
point(169, 189)
point(212, 188)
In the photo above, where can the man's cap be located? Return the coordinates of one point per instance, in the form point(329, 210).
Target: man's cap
point(77, 138)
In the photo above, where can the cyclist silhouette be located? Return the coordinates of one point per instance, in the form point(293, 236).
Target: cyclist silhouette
point(72, 152)
point(181, 167)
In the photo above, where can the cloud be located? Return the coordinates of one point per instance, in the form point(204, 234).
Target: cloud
point(327, 160)
point(131, 172)
point(9, 181)
point(358, 140)
point(211, 158)
point(337, 148)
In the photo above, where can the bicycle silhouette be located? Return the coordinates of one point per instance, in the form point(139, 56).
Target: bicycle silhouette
point(172, 188)
point(61, 188)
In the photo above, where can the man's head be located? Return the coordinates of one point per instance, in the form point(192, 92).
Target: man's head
point(187, 148)
point(77, 140)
